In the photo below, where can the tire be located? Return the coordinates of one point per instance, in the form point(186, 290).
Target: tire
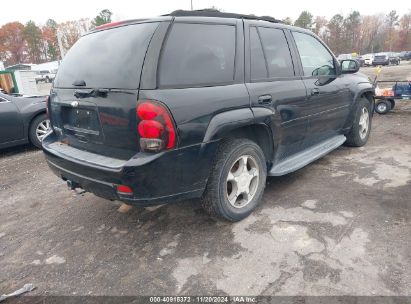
point(360, 130)
point(33, 129)
point(382, 107)
point(230, 157)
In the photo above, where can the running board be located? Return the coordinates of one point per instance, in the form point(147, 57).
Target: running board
point(307, 156)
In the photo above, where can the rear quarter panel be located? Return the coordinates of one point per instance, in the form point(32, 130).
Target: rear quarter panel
point(30, 108)
point(193, 108)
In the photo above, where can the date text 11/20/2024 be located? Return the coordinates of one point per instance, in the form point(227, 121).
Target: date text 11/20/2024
point(203, 299)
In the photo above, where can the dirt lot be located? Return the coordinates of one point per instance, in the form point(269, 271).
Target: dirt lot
point(340, 226)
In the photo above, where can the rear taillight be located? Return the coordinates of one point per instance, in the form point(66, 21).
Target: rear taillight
point(47, 106)
point(155, 126)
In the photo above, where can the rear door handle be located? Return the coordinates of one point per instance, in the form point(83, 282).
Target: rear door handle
point(315, 91)
point(265, 99)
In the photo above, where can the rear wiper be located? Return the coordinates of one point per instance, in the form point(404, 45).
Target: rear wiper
point(79, 83)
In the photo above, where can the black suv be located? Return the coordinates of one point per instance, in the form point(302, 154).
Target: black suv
point(386, 59)
point(200, 104)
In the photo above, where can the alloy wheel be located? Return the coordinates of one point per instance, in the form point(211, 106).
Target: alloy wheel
point(364, 123)
point(42, 129)
point(242, 181)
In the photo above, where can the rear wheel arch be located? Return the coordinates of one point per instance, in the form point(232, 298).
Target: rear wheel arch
point(241, 123)
point(30, 124)
point(258, 133)
point(34, 116)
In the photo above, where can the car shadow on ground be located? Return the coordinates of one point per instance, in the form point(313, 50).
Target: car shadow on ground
point(17, 150)
point(192, 209)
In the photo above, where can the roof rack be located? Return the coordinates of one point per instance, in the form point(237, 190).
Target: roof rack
point(216, 13)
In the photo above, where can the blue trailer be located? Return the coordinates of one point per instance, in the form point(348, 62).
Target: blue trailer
point(401, 89)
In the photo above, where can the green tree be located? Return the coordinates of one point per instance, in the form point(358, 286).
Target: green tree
point(305, 20)
point(352, 31)
point(391, 21)
point(335, 33)
point(102, 18)
point(33, 35)
point(287, 21)
point(49, 33)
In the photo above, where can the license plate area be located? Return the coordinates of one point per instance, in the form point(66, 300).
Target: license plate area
point(82, 123)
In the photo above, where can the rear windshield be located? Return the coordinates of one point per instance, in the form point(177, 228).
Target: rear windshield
point(108, 59)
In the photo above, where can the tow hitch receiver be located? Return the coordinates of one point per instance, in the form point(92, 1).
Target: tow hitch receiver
point(71, 185)
point(74, 186)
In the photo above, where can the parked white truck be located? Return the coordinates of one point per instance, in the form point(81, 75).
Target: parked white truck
point(45, 75)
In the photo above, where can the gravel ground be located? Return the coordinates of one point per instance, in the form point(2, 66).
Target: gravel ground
point(340, 226)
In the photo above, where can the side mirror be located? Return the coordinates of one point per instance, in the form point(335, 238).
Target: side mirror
point(349, 66)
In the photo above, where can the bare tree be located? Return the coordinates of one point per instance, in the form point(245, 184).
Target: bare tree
point(319, 28)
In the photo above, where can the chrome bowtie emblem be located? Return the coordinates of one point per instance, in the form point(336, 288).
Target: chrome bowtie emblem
point(74, 104)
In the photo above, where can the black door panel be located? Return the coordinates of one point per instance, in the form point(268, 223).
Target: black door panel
point(328, 98)
point(273, 84)
point(289, 115)
point(328, 108)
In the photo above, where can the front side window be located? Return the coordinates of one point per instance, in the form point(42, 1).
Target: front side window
point(198, 54)
point(315, 58)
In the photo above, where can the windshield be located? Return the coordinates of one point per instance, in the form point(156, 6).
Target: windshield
point(111, 58)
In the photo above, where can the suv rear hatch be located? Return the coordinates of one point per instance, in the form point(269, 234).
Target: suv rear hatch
point(380, 58)
point(93, 99)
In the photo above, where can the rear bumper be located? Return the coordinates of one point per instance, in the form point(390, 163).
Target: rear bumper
point(154, 178)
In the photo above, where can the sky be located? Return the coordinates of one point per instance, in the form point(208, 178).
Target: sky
point(40, 11)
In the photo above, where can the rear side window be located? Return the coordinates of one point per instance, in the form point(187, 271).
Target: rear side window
point(107, 59)
point(198, 54)
point(258, 63)
point(276, 52)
